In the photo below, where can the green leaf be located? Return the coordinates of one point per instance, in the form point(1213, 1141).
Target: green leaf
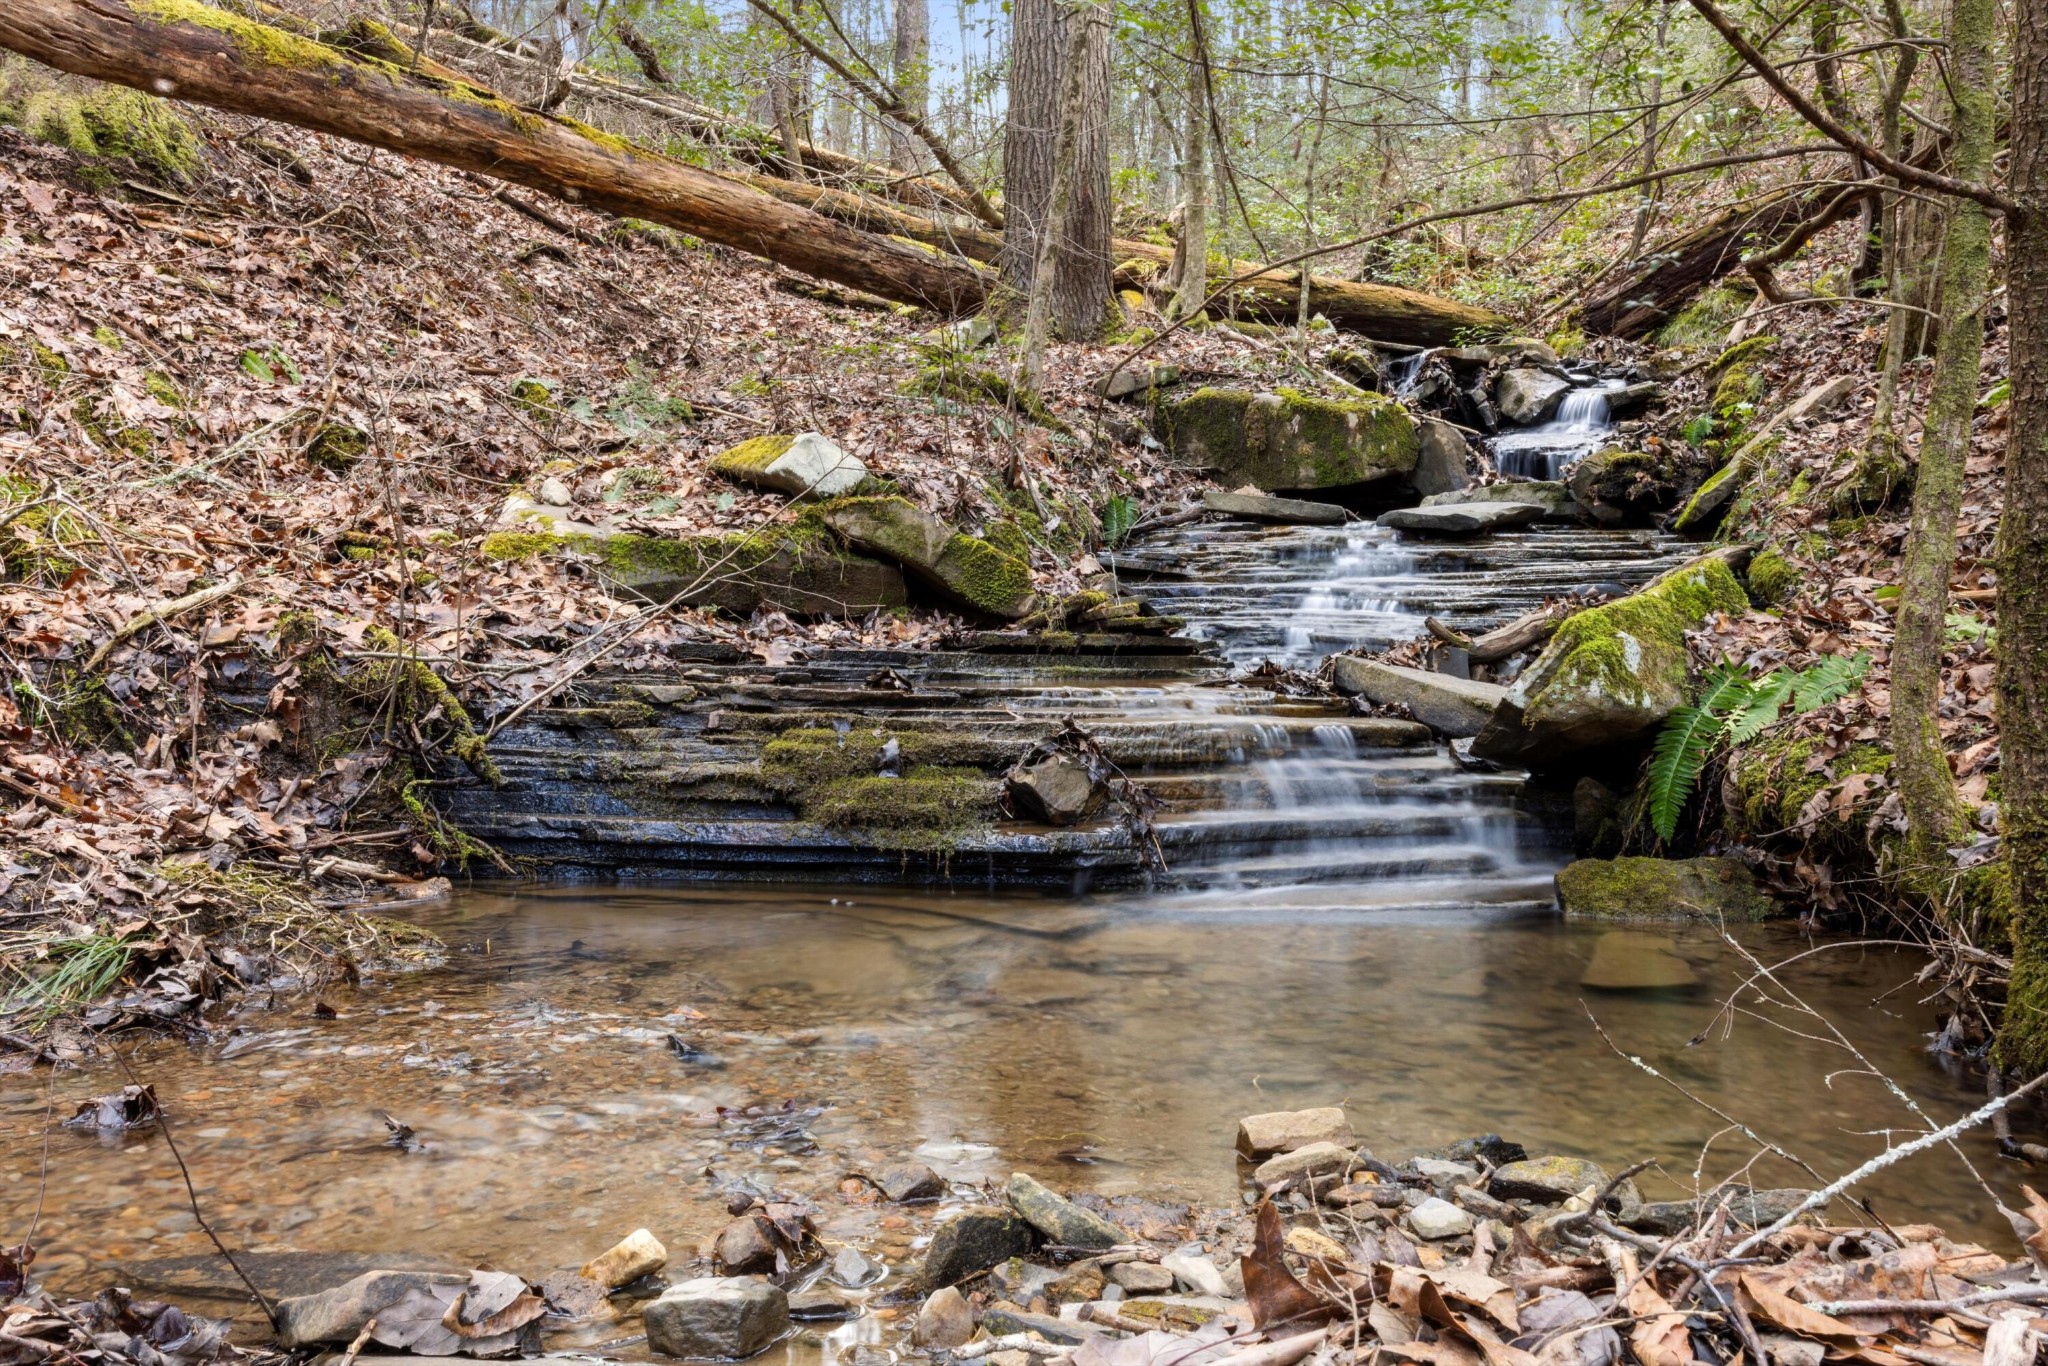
point(257, 367)
point(1830, 680)
point(1766, 698)
point(1119, 515)
point(1687, 740)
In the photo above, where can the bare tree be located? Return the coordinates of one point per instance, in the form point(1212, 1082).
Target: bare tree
point(913, 78)
point(1041, 44)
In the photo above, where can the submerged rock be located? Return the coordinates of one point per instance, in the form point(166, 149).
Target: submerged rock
point(1462, 519)
point(1450, 706)
point(1662, 889)
point(965, 570)
point(1527, 396)
point(716, 1316)
point(1625, 960)
point(852, 1268)
point(820, 1306)
point(1061, 1220)
point(910, 1183)
point(338, 1315)
point(1283, 1131)
point(1259, 507)
point(974, 1240)
point(1292, 440)
point(804, 466)
point(1611, 673)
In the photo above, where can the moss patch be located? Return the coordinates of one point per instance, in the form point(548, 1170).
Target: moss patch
point(1662, 889)
point(1289, 439)
point(835, 780)
point(1772, 577)
point(337, 446)
point(1614, 648)
point(751, 456)
point(114, 123)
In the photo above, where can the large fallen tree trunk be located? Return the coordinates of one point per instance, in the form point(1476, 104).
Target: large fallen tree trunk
point(186, 50)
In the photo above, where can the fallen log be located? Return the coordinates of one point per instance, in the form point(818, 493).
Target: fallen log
point(185, 50)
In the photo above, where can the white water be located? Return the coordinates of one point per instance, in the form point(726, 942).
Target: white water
point(1549, 449)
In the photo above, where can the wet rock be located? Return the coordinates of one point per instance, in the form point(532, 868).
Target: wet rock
point(795, 566)
point(1060, 789)
point(819, 1306)
point(1484, 1206)
point(1064, 1223)
point(1358, 364)
point(1443, 460)
point(1447, 705)
point(1137, 379)
point(945, 1320)
point(1748, 1207)
point(1527, 396)
point(1307, 1242)
point(1000, 1319)
point(1554, 1180)
point(1491, 1149)
point(1283, 1131)
point(974, 1240)
point(1021, 1282)
point(1461, 519)
point(1713, 889)
point(1437, 1218)
point(1259, 507)
point(1306, 1162)
point(1635, 399)
point(1142, 1278)
point(966, 570)
point(746, 1246)
point(1623, 488)
point(804, 466)
point(1598, 826)
point(1551, 495)
point(910, 1183)
point(1196, 1275)
point(638, 1254)
point(853, 1269)
point(717, 1316)
point(1291, 440)
point(279, 1275)
point(1439, 1172)
point(338, 1315)
point(1624, 960)
point(1611, 673)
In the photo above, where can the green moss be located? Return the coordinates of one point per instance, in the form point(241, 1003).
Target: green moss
point(1772, 780)
point(1662, 889)
point(1772, 577)
point(1747, 350)
point(611, 142)
point(1700, 508)
point(751, 456)
point(107, 337)
point(420, 697)
point(158, 386)
point(1610, 650)
point(1705, 321)
point(833, 779)
point(110, 434)
point(53, 365)
point(983, 574)
point(506, 546)
point(535, 395)
point(337, 446)
point(258, 44)
point(946, 375)
point(1735, 397)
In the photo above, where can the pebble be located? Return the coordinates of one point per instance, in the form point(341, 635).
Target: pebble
point(1438, 1218)
point(945, 1320)
point(1142, 1278)
point(1198, 1275)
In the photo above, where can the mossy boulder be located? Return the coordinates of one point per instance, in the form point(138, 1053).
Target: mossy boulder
point(1772, 577)
point(1289, 440)
point(804, 466)
point(113, 123)
point(1713, 889)
point(1612, 673)
point(965, 570)
point(872, 782)
point(1623, 488)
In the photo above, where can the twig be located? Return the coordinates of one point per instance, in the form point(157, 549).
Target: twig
point(2024, 1294)
point(151, 616)
point(163, 1125)
point(355, 1348)
point(1011, 1342)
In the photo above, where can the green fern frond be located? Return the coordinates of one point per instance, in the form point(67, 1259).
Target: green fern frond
point(1828, 681)
point(1767, 697)
point(1119, 516)
point(1688, 738)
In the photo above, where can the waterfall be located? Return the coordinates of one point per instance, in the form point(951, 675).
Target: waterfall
point(1549, 449)
point(1584, 410)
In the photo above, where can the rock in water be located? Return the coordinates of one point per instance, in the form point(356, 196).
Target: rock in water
point(638, 1254)
point(1282, 1131)
point(853, 1269)
point(1461, 519)
point(911, 1183)
point(1061, 1220)
point(339, 1314)
point(1526, 396)
point(1259, 507)
point(746, 1246)
point(965, 570)
point(1625, 960)
point(1059, 790)
point(1290, 440)
point(1449, 706)
point(1714, 889)
point(729, 1317)
point(974, 1240)
point(1554, 1180)
point(1549, 494)
point(804, 466)
point(1612, 673)
point(1623, 488)
point(1309, 1161)
point(1437, 1217)
point(1443, 461)
point(944, 1321)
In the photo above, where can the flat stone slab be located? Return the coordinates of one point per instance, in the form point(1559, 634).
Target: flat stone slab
point(1551, 494)
point(1629, 960)
point(1456, 707)
point(1462, 519)
point(1259, 507)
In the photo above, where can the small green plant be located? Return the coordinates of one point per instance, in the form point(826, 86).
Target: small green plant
point(1732, 710)
point(76, 971)
point(1700, 429)
point(1119, 516)
point(267, 364)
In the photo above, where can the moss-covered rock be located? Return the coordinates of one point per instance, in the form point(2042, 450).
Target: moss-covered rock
point(1662, 889)
point(1290, 440)
point(845, 781)
point(966, 570)
point(804, 466)
point(1772, 577)
point(1623, 488)
point(337, 446)
point(1611, 673)
point(113, 123)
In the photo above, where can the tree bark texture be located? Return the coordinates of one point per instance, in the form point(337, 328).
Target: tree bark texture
point(2023, 557)
point(185, 50)
point(1191, 286)
point(913, 78)
point(1039, 41)
point(1934, 814)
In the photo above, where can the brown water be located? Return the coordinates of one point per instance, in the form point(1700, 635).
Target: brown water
point(1103, 1045)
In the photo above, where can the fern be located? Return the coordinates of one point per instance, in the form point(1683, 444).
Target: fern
point(1687, 740)
point(1119, 515)
point(1828, 681)
point(1766, 699)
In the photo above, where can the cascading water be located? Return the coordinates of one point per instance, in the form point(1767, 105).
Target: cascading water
point(1549, 449)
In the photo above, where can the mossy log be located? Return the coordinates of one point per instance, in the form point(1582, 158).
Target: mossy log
point(189, 51)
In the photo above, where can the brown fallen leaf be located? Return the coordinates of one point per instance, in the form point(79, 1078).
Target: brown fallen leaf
point(1276, 1297)
point(1659, 1337)
point(1765, 1298)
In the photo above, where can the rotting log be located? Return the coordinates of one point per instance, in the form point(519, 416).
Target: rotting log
point(185, 50)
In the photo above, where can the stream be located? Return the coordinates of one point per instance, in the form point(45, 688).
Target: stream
point(595, 1058)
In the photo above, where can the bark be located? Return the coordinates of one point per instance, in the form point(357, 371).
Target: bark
point(1648, 211)
point(913, 77)
point(1081, 268)
point(2023, 557)
point(1193, 284)
point(1934, 814)
point(1059, 211)
point(189, 51)
point(635, 42)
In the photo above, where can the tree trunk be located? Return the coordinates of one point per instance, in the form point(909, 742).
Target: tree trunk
point(2023, 557)
point(913, 78)
point(1059, 212)
point(212, 57)
point(1934, 814)
point(1193, 285)
point(1081, 266)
